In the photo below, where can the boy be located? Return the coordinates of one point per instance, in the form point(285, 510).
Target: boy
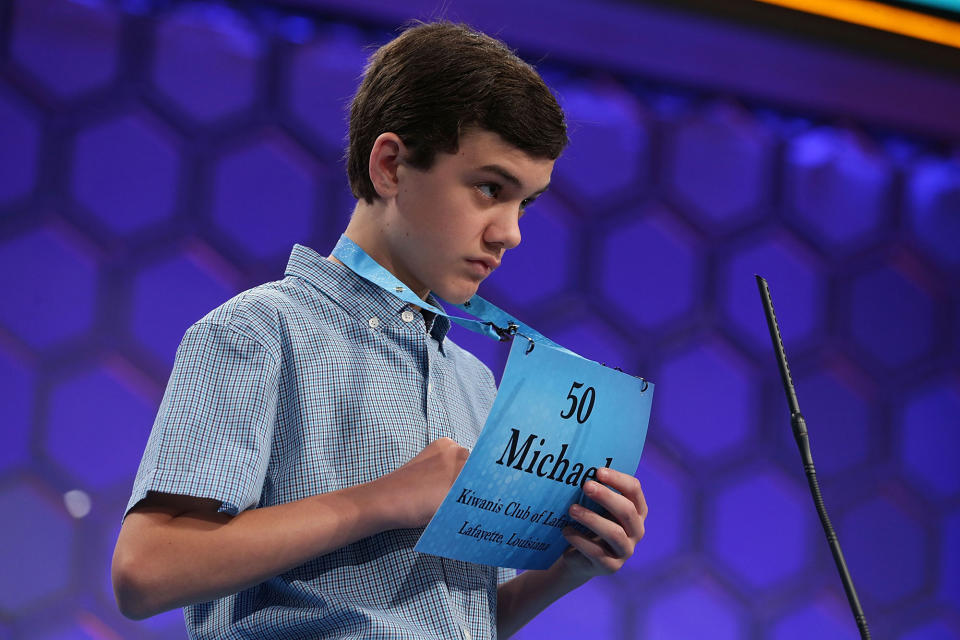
point(312, 426)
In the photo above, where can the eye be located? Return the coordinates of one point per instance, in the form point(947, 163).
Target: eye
point(489, 189)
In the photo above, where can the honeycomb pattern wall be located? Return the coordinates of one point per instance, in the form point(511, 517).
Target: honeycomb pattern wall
point(157, 158)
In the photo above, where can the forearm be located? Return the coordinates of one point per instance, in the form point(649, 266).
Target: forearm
point(524, 597)
point(163, 562)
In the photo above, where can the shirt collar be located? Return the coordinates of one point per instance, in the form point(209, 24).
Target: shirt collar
point(358, 297)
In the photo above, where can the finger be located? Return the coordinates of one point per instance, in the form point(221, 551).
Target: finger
point(585, 544)
point(609, 531)
point(621, 508)
point(625, 484)
point(593, 549)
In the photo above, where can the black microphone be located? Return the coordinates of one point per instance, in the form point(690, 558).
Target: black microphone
point(799, 426)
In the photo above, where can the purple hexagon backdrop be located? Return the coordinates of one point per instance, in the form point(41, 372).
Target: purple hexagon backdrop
point(158, 157)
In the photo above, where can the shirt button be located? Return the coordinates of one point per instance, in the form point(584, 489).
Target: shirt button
point(466, 633)
point(374, 322)
point(429, 387)
point(407, 316)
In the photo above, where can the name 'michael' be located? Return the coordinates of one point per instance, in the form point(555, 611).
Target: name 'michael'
point(561, 471)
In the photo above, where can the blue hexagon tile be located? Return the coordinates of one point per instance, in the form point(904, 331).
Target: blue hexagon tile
point(337, 56)
point(126, 172)
point(929, 437)
point(829, 618)
point(19, 382)
point(954, 326)
point(97, 425)
point(718, 168)
point(933, 195)
point(265, 194)
point(36, 550)
point(604, 621)
point(796, 283)
point(706, 398)
point(69, 47)
point(171, 294)
point(890, 316)
point(49, 281)
point(837, 402)
point(760, 525)
point(63, 631)
point(77, 625)
point(591, 338)
point(19, 153)
point(695, 608)
point(609, 143)
point(949, 566)
point(886, 550)
point(933, 630)
point(837, 188)
point(651, 271)
point(207, 61)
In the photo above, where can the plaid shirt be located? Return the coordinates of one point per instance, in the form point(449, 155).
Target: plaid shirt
point(307, 385)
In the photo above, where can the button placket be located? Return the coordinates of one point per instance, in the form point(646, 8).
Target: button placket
point(430, 401)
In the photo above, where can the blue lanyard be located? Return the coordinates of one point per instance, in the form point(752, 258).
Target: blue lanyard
point(491, 321)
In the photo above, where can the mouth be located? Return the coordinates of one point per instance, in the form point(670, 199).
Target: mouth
point(483, 266)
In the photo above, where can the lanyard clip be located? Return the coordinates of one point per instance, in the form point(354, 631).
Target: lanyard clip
point(505, 334)
point(509, 333)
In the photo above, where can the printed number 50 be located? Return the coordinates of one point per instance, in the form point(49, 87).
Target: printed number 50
point(583, 405)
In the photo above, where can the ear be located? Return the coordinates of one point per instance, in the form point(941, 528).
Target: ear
point(385, 158)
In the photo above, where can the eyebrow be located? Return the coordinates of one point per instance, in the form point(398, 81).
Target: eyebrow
point(509, 177)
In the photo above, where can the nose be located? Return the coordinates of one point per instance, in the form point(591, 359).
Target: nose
point(504, 230)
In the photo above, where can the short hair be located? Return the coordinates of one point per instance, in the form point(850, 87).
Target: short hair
point(433, 83)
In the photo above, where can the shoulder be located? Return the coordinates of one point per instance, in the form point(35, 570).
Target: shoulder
point(254, 307)
point(262, 315)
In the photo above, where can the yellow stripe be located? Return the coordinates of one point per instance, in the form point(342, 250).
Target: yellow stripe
point(881, 16)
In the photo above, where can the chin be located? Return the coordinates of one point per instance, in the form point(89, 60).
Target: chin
point(457, 299)
point(456, 295)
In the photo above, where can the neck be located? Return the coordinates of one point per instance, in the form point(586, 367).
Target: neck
point(366, 228)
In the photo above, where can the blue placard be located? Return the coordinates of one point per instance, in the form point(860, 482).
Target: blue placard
point(556, 419)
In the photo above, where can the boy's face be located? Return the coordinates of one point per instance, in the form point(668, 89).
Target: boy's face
point(450, 226)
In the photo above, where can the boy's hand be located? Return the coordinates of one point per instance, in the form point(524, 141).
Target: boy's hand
point(616, 535)
point(413, 493)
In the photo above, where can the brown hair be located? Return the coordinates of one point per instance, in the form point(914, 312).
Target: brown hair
point(435, 81)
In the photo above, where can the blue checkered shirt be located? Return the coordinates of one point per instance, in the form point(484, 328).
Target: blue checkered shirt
point(306, 385)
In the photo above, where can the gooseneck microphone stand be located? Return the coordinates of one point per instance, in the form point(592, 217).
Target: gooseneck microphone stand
point(803, 442)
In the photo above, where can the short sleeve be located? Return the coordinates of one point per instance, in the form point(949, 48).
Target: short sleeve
point(505, 575)
point(212, 434)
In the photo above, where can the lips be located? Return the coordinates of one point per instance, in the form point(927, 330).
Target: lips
point(487, 265)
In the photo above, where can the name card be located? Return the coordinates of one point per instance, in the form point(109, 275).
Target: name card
point(557, 418)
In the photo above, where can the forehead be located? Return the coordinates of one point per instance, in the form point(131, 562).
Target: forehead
point(480, 150)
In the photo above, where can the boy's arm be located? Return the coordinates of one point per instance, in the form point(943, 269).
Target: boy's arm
point(178, 550)
point(522, 598)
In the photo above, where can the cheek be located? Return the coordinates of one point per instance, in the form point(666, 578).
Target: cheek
point(445, 219)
